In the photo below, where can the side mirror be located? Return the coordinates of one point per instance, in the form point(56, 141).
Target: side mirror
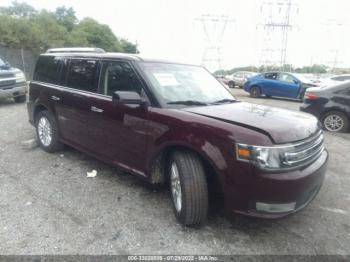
point(296, 82)
point(128, 98)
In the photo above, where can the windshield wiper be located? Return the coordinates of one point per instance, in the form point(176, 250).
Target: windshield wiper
point(188, 103)
point(224, 101)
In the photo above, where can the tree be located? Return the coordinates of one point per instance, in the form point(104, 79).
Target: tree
point(19, 10)
point(66, 17)
point(21, 26)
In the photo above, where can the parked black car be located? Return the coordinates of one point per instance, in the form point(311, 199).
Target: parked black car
point(331, 104)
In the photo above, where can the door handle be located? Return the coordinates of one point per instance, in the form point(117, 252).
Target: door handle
point(55, 98)
point(95, 109)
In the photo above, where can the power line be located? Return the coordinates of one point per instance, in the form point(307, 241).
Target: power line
point(276, 27)
point(214, 28)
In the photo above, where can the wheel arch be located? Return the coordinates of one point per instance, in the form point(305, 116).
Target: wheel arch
point(38, 108)
point(335, 109)
point(158, 165)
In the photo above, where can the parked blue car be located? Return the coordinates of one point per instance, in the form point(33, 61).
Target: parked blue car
point(278, 84)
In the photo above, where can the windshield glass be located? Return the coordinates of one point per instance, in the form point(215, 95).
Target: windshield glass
point(1, 62)
point(175, 82)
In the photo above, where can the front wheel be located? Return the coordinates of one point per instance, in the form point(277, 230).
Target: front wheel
point(255, 92)
point(188, 187)
point(47, 131)
point(335, 121)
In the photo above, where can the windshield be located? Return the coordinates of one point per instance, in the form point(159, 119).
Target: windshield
point(175, 83)
point(1, 62)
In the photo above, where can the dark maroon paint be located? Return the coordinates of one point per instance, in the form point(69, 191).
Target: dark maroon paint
point(147, 132)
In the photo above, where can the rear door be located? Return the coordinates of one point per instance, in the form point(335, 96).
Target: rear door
point(119, 132)
point(79, 80)
point(289, 86)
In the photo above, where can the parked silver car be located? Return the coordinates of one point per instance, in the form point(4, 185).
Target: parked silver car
point(239, 78)
point(12, 83)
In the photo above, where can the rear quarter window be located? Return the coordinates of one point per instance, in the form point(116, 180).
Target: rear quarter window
point(47, 69)
point(82, 75)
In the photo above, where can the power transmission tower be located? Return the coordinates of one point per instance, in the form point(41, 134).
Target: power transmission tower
point(214, 27)
point(335, 31)
point(276, 26)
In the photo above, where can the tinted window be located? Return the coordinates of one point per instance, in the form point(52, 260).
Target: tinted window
point(271, 76)
point(118, 76)
point(81, 74)
point(47, 69)
point(340, 78)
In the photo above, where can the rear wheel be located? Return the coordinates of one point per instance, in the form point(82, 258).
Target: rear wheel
point(47, 131)
point(188, 187)
point(335, 121)
point(255, 92)
point(231, 84)
point(20, 99)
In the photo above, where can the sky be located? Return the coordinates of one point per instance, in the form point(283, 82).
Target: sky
point(170, 29)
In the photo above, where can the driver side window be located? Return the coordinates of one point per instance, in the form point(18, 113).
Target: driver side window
point(118, 76)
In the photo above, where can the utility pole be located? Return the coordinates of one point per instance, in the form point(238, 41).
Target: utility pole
point(214, 28)
point(276, 26)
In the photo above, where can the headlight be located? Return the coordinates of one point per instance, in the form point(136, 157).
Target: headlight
point(20, 77)
point(263, 157)
point(282, 157)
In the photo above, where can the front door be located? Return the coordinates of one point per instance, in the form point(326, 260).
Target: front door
point(119, 132)
point(289, 86)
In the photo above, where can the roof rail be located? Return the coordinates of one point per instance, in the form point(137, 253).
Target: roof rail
point(76, 50)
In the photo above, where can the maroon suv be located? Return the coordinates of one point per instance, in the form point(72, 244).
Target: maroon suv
point(175, 123)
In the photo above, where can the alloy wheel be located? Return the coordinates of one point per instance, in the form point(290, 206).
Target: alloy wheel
point(45, 131)
point(176, 187)
point(333, 123)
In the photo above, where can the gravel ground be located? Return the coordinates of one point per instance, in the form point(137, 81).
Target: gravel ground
point(49, 206)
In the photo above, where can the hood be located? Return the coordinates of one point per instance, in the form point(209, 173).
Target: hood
point(281, 125)
point(8, 72)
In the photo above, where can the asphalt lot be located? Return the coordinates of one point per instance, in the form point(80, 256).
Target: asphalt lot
point(49, 206)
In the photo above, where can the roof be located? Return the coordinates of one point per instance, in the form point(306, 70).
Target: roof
point(76, 50)
point(107, 55)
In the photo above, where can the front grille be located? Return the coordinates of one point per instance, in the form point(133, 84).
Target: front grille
point(6, 75)
point(7, 82)
point(305, 152)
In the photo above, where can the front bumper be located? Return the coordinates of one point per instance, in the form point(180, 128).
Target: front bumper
point(13, 91)
point(276, 195)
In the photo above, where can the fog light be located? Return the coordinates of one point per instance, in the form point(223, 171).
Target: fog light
point(275, 208)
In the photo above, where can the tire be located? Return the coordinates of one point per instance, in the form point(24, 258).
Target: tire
point(45, 124)
point(231, 84)
point(20, 99)
point(255, 92)
point(302, 94)
point(187, 178)
point(335, 121)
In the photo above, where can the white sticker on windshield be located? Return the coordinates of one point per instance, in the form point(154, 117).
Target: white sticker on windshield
point(165, 79)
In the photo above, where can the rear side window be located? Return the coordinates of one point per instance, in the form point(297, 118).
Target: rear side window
point(272, 76)
point(81, 75)
point(47, 69)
